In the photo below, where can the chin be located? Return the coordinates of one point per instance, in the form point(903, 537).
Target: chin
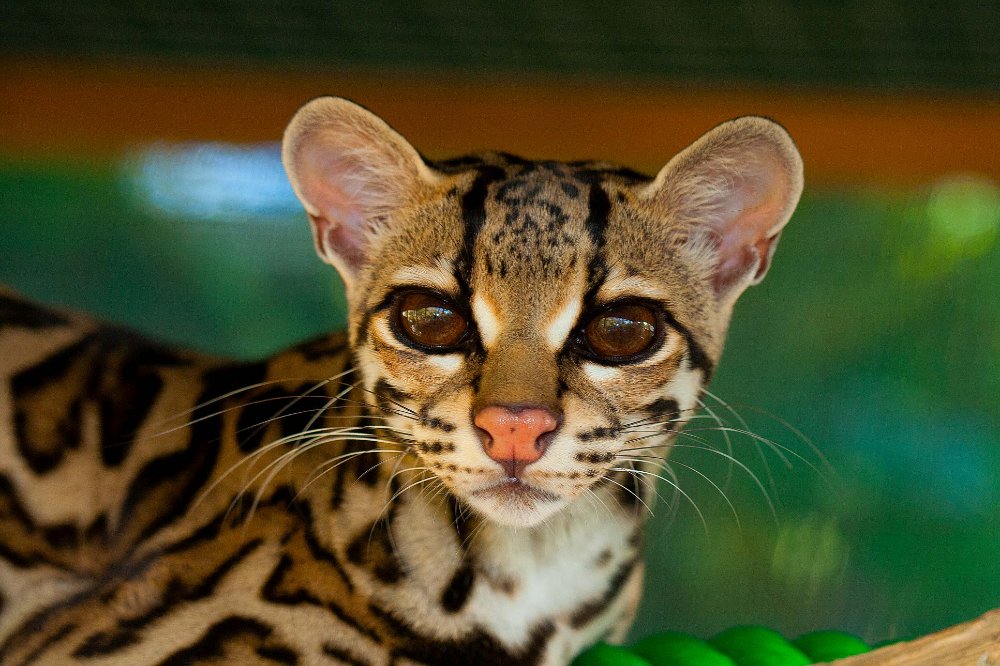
point(514, 503)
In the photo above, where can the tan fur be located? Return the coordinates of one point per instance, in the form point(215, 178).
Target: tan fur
point(335, 503)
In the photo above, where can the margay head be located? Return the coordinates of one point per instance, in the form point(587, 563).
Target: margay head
point(524, 325)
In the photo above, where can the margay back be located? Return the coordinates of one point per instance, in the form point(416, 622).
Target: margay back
point(461, 479)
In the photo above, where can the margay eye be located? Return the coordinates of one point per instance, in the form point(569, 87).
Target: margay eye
point(429, 321)
point(621, 332)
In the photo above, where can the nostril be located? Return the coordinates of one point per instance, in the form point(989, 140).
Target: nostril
point(544, 440)
point(484, 437)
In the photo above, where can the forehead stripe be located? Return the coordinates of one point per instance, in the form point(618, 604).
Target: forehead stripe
point(474, 214)
point(596, 224)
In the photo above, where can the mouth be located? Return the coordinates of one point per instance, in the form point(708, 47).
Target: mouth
point(515, 490)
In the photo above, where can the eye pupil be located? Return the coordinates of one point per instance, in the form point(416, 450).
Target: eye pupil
point(429, 321)
point(622, 332)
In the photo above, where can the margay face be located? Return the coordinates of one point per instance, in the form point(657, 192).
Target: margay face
point(531, 329)
point(538, 347)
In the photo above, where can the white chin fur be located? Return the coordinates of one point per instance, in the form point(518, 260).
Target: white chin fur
point(513, 511)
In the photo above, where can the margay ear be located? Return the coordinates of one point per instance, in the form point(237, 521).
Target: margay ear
point(351, 171)
point(739, 183)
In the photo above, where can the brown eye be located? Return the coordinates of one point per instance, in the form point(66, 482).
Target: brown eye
point(622, 332)
point(429, 321)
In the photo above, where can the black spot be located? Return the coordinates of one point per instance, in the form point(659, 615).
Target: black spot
point(172, 482)
point(595, 458)
point(343, 656)
point(458, 164)
point(277, 589)
point(56, 636)
point(663, 409)
point(600, 432)
point(47, 405)
point(278, 653)
point(213, 644)
point(127, 631)
point(323, 347)
point(62, 535)
point(587, 171)
point(457, 592)
point(292, 409)
point(372, 549)
point(475, 647)
point(570, 189)
point(125, 405)
point(104, 643)
point(596, 224)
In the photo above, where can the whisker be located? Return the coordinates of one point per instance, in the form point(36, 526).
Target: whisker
point(742, 422)
point(676, 486)
point(732, 507)
point(226, 396)
point(733, 460)
point(644, 420)
point(629, 490)
point(249, 458)
point(398, 404)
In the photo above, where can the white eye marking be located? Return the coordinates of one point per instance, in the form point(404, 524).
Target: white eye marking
point(559, 328)
point(449, 363)
point(433, 277)
point(668, 348)
point(685, 387)
point(486, 320)
point(601, 373)
point(618, 285)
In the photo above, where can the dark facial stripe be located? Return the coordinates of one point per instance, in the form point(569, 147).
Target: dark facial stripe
point(596, 224)
point(474, 216)
point(697, 358)
point(663, 409)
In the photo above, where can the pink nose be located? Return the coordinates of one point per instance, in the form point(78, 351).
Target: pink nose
point(515, 434)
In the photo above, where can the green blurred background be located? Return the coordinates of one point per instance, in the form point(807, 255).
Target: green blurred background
point(139, 179)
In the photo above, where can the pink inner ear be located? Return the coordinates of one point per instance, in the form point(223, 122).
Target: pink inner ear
point(747, 231)
point(339, 221)
point(337, 241)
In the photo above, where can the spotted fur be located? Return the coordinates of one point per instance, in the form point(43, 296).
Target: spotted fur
point(334, 503)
